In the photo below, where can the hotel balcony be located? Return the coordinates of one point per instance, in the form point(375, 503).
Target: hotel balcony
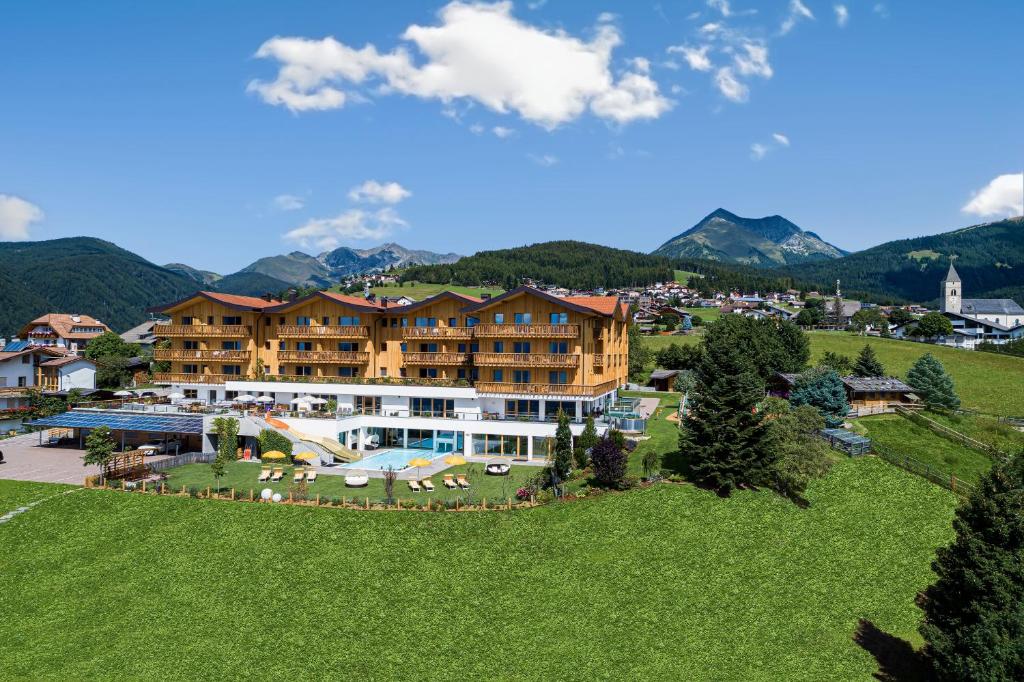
point(198, 330)
point(179, 378)
point(298, 331)
point(435, 359)
point(573, 390)
point(437, 332)
point(333, 357)
point(183, 355)
point(527, 331)
point(526, 359)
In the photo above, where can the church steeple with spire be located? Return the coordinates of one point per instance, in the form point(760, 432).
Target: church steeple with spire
point(952, 291)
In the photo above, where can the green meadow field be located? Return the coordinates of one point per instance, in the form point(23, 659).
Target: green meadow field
point(422, 290)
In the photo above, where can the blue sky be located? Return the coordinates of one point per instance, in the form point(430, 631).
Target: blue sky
point(184, 132)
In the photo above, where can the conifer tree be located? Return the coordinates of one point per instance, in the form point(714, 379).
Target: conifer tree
point(563, 447)
point(868, 364)
point(823, 390)
point(929, 380)
point(723, 434)
point(974, 613)
point(587, 440)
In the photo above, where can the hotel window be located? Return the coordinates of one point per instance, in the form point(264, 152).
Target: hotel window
point(394, 321)
point(428, 372)
point(383, 371)
point(453, 322)
point(558, 377)
point(348, 320)
point(231, 345)
point(521, 347)
point(428, 347)
point(460, 373)
point(426, 321)
point(559, 318)
point(280, 370)
point(405, 321)
point(348, 372)
point(498, 375)
point(190, 369)
point(303, 345)
point(230, 395)
point(499, 346)
point(325, 320)
point(559, 347)
point(280, 320)
point(520, 376)
point(523, 318)
point(383, 346)
point(404, 347)
point(499, 318)
point(302, 320)
point(303, 371)
point(281, 345)
point(522, 408)
point(189, 344)
point(186, 319)
point(22, 382)
point(233, 370)
point(192, 393)
point(209, 319)
point(347, 346)
point(432, 407)
point(232, 319)
point(472, 321)
point(402, 372)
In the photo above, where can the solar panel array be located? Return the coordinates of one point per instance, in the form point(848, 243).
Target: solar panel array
point(124, 422)
point(14, 346)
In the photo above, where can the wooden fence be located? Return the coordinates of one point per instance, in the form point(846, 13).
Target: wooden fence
point(179, 460)
point(950, 434)
point(926, 471)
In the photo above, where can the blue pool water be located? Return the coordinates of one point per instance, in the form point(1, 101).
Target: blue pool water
point(398, 458)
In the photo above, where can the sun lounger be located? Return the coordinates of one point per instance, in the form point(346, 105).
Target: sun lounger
point(265, 473)
point(462, 481)
point(449, 481)
point(414, 486)
point(278, 474)
point(311, 475)
point(359, 481)
point(299, 474)
point(428, 485)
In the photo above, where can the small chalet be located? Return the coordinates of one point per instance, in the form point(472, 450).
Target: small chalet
point(866, 395)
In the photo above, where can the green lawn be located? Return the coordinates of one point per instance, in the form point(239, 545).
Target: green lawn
point(671, 582)
point(992, 432)
point(902, 436)
point(986, 382)
point(242, 476)
point(14, 494)
point(683, 276)
point(422, 290)
point(664, 434)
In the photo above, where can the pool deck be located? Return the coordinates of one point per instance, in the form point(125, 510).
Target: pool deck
point(417, 473)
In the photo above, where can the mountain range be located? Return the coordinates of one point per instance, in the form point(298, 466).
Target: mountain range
point(765, 242)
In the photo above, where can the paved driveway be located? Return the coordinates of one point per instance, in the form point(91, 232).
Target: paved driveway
point(26, 460)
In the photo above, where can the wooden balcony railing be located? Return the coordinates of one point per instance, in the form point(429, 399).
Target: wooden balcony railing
point(437, 332)
point(530, 331)
point(546, 389)
point(526, 359)
point(14, 391)
point(180, 354)
point(366, 381)
point(320, 331)
point(197, 330)
point(179, 378)
point(334, 357)
point(435, 358)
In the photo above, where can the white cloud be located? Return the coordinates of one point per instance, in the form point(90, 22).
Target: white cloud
point(502, 131)
point(722, 6)
point(1003, 196)
point(797, 12)
point(881, 10)
point(289, 202)
point(546, 160)
point(606, 17)
point(755, 61)
point(478, 52)
point(352, 225)
point(842, 15)
point(641, 64)
point(375, 192)
point(729, 86)
point(758, 151)
point(711, 27)
point(696, 57)
point(476, 129)
point(16, 216)
point(781, 139)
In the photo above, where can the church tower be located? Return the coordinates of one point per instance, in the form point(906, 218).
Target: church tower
point(952, 292)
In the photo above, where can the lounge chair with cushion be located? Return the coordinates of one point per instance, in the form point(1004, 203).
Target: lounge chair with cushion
point(498, 469)
point(462, 481)
point(311, 475)
point(278, 474)
point(449, 481)
point(415, 487)
point(357, 481)
point(428, 485)
point(300, 473)
point(265, 473)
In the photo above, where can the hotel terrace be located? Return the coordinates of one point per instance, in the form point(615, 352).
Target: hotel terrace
point(451, 373)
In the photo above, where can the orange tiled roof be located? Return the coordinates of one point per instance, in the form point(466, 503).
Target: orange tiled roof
point(63, 324)
point(605, 305)
point(237, 300)
point(349, 300)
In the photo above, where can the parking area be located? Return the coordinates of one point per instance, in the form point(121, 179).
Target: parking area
point(26, 460)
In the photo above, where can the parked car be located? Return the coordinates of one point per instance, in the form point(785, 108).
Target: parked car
point(159, 446)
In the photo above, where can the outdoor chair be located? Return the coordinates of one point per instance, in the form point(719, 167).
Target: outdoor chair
point(414, 486)
point(311, 475)
point(300, 473)
point(462, 481)
point(428, 485)
point(265, 473)
point(278, 474)
point(449, 481)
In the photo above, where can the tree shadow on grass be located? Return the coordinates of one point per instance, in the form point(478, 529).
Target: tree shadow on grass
point(897, 659)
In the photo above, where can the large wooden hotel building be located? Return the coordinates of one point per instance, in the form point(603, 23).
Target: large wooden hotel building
point(451, 373)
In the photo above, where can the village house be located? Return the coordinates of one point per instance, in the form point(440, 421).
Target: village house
point(63, 330)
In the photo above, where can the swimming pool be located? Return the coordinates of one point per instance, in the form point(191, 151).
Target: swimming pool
point(399, 458)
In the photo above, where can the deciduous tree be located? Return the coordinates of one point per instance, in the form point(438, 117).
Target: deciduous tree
point(609, 463)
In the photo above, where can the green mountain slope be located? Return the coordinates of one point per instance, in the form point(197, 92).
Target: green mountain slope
point(81, 275)
point(989, 258)
point(251, 284)
point(205, 278)
point(766, 242)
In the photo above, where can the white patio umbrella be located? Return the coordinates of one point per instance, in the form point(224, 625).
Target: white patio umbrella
point(124, 394)
point(176, 396)
point(316, 401)
point(299, 401)
point(264, 399)
point(244, 398)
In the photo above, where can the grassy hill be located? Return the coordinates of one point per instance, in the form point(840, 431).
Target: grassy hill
point(422, 290)
point(666, 583)
point(81, 275)
point(250, 284)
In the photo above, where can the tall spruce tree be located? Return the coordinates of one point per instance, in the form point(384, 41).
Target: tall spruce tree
point(974, 613)
point(563, 447)
point(929, 380)
point(868, 364)
point(823, 390)
point(723, 434)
